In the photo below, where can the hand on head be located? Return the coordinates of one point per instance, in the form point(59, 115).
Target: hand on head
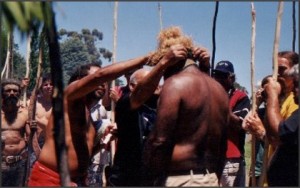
point(175, 54)
point(202, 55)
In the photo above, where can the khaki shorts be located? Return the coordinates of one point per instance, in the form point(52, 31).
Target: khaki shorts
point(204, 180)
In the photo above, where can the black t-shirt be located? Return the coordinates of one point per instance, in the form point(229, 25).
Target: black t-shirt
point(284, 168)
point(128, 152)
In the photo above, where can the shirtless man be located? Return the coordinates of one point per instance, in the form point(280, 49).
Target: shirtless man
point(79, 132)
point(132, 108)
point(14, 132)
point(188, 143)
point(43, 112)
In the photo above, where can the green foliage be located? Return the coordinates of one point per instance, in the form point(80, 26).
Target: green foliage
point(80, 48)
point(89, 39)
point(19, 65)
point(26, 15)
point(38, 39)
point(73, 53)
point(3, 45)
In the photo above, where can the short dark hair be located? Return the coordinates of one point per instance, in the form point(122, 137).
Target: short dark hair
point(46, 76)
point(291, 56)
point(10, 81)
point(82, 71)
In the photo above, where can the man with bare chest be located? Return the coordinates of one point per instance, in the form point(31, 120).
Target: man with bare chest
point(79, 131)
point(42, 115)
point(187, 145)
point(14, 132)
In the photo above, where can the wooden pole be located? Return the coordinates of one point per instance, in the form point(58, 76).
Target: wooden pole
point(160, 16)
point(276, 40)
point(253, 140)
point(214, 38)
point(27, 67)
point(294, 25)
point(11, 55)
point(32, 106)
point(274, 75)
point(6, 68)
point(113, 143)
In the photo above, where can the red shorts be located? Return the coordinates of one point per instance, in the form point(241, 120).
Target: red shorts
point(44, 176)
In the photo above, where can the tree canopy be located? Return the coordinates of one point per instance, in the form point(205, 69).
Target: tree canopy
point(79, 48)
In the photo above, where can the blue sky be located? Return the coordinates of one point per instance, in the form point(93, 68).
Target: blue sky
point(138, 26)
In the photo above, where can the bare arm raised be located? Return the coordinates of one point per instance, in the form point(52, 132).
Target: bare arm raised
point(146, 87)
point(80, 88)
point(273, 90)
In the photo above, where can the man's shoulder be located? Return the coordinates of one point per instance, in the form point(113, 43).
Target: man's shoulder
point(239, 94)
point(22, 109)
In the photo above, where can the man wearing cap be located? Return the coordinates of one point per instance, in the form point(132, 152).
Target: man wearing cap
point(234, 170)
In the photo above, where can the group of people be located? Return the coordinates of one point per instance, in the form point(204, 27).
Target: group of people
point(190, 131)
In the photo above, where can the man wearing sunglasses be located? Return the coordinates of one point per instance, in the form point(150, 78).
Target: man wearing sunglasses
point(234, 170)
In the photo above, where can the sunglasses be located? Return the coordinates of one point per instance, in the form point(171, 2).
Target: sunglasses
point(220, 75)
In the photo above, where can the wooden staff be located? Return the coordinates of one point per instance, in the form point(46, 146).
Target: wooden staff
point(214, 38)
point(113, 143)
point(160, 16)
point(274, 75)
point(8, 62)
point(294, 25)
point(253, 140)
point(107, 169)
point(27, 67)
point(32, 108)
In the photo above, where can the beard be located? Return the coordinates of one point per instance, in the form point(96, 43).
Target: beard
point(10, 108)
point(10, 101)
point(93, 96)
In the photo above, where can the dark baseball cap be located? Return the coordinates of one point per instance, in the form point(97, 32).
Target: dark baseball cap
point(224, 66)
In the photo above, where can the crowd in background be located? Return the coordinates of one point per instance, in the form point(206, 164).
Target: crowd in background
point(189, 131)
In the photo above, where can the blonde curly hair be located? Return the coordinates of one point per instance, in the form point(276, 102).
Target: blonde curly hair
point(166, 38)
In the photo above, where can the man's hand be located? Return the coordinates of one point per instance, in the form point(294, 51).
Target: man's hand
point(115, 94)
point(109, 133)
point(259, 95)
point(272, 88)
point(254, 125)
point(202, 55)
point(24, 82)
point(176, 53)
point(32, 124)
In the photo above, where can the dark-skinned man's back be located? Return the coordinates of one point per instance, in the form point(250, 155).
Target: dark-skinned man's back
point(190, 132)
